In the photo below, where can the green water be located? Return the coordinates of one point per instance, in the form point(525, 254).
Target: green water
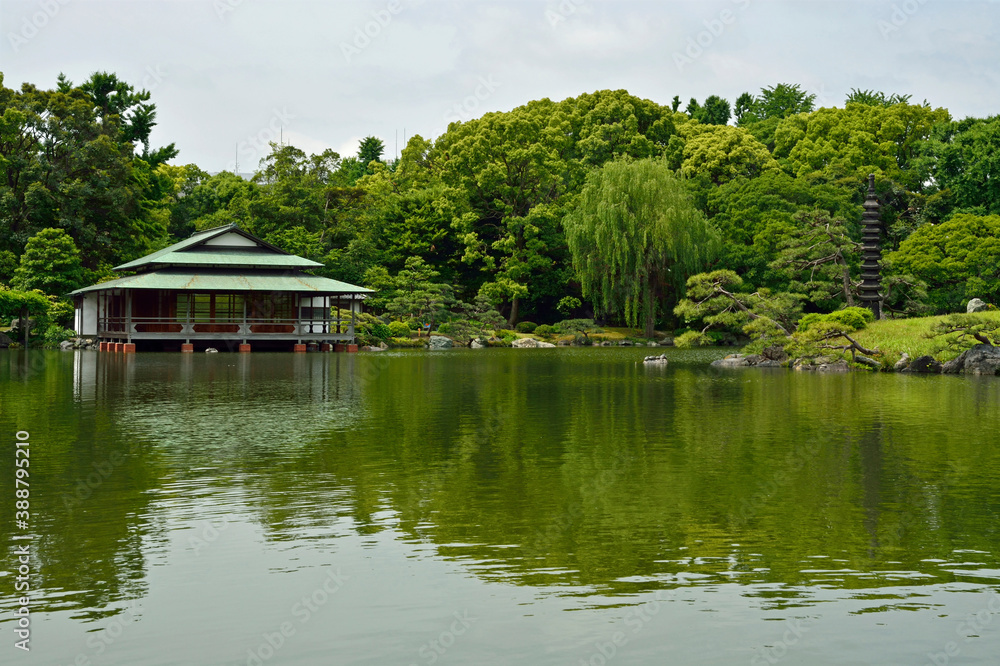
point(550, 506)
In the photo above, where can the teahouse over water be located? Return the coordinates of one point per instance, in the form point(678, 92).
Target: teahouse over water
point(220, 288)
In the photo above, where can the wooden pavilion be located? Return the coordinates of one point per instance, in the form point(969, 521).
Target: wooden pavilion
point(221, 287)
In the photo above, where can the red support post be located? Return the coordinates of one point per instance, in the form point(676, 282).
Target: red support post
point(299, 349)
point(187, 348)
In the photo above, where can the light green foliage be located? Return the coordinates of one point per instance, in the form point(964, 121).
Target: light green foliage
point(567, 304)
point(958, 260)
point(723, 153)
point(852, 319)
point(381, 331)
point(50, 263)
point(635, 237)
point(298, 241)
point(399, 329)
point(845, 145)
point(692, 339)
point(958, 332)
point(22, 304)
point(54, 334)
point(521, 170)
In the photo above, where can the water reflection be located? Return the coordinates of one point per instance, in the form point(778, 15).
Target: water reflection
point(571, 469)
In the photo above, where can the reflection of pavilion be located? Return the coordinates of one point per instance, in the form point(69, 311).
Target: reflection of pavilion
point(224, 286)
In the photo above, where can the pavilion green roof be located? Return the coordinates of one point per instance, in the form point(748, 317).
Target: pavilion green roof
point(197, 251)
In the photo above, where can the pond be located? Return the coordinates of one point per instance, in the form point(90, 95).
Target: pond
point(541, 506)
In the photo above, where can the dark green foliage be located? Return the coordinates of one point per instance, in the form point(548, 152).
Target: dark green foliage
point(526, 327)
point(50, 263)
point(381, 331)
point(875, 98)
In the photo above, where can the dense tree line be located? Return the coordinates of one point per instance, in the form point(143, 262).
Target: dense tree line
point(605, 201)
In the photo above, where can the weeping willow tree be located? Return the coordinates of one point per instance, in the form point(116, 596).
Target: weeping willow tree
point(636, 236)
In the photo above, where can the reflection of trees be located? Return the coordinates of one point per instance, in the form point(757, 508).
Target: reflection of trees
point(553, 468)
point(537, 467)
point(89, 489)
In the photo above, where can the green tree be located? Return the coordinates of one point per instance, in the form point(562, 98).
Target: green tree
point(50, 263)
point(722, 153)
point(875, 98)
point(964, 163)
point(818, 256)
point(67, 160)
point(370, 150)
point(635, 236)
point(958, 260)
point(22, 304)
point(721, 299)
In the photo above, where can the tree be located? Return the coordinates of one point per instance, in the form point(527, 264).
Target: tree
point(720, 300)
point(635, 236)
point(963, 160)
point(874, 98)
point(723, 153)
point(21, 304)
point(370, 150)
point(50, 263)
point(67, 160)
point(778, 101)
point(958, 260)
point(412, 294)
point(818, 255)
point(715, 111)
point(845, 145)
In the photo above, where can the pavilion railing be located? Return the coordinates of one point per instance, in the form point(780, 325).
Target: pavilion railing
point(236, 327)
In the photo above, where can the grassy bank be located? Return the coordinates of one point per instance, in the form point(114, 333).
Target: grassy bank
point(892, 337)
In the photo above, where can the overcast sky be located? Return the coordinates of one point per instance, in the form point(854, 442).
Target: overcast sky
point(228, 75)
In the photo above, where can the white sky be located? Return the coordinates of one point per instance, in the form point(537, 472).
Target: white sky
point(226, 75)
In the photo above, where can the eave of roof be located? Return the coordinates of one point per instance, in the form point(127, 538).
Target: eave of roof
point(229, 281)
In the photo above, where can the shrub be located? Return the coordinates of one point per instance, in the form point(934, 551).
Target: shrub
point(55, 334)
point(406, 342)
point(445, 329)
point(545, 331)
point(853, 318)
point(381, 331)
point(526, 327)
point(399, 329)
point(508, 336)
